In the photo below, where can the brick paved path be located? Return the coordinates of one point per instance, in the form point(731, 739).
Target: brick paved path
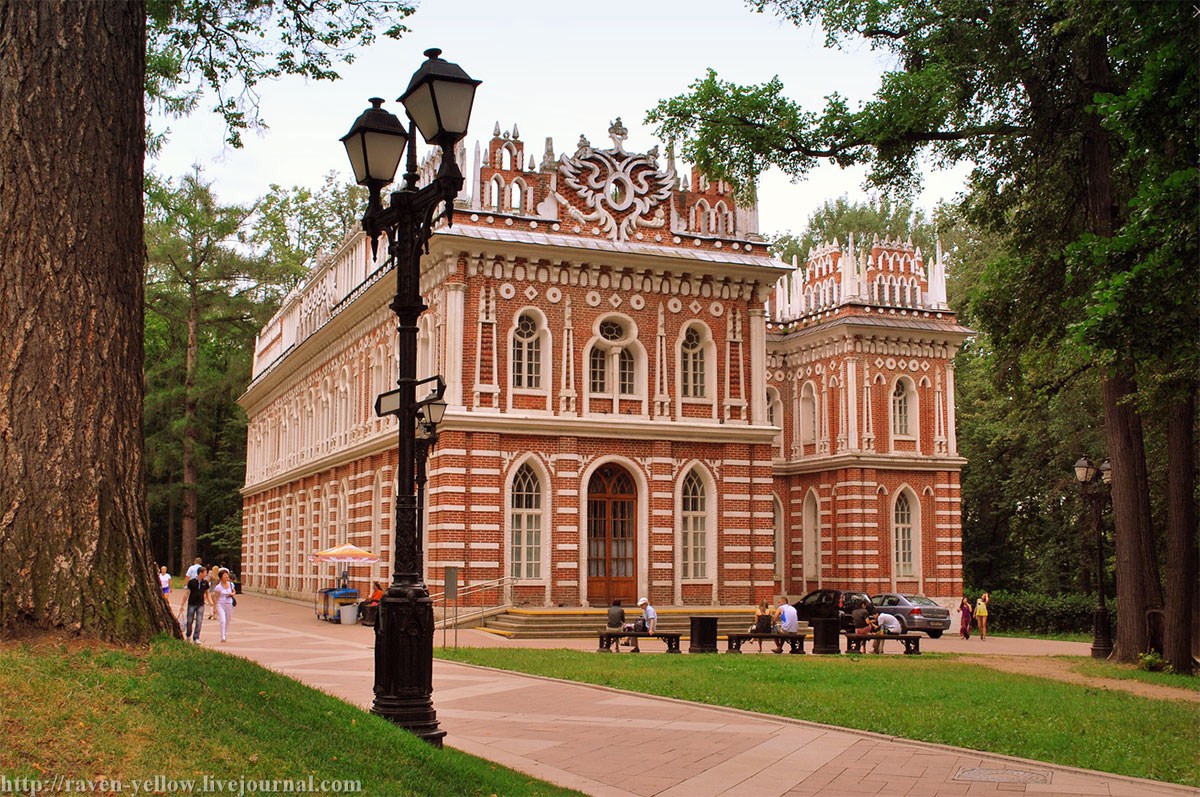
point(572, 734)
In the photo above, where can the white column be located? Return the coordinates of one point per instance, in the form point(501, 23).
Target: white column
point(851, 388)
point(758, 366)
point(951, 424)
point(455, 302)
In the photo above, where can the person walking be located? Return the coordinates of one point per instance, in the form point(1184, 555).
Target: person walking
point(981, 615)
point(196, 589)
point(193, 569)
point(964, 624)
point(164, 583)
point(225, 602)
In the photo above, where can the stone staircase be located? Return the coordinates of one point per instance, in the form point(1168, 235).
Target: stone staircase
point(580, 623)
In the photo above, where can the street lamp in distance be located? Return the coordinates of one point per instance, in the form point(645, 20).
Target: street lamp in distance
point(438, 103)
point(1086, 472)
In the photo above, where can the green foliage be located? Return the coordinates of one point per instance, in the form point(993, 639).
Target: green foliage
point(840, 217)
point(226, 48)
point(293, 226)
point(931, 697)
point(1152, 661)
point(1043, 614)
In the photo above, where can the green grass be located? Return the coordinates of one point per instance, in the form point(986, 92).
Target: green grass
point(1103, 669)
point(1064, 636)
point(931, 698)
point(184, 712)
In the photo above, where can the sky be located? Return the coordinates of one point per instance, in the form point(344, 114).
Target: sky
point(557, 69)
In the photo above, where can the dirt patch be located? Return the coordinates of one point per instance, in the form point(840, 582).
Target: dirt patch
point(1061, 670)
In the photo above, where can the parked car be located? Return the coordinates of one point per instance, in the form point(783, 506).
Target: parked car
point(915, 612)
point(822, 603)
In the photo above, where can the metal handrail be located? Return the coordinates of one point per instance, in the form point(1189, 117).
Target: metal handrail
point(472, 612)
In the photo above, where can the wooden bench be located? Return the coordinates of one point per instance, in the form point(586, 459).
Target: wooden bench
point(610, 638)
point(796, 641)
point(857, 643)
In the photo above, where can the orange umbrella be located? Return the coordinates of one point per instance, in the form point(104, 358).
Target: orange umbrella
point(344, 553)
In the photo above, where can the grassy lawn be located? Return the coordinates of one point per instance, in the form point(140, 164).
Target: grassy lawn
point(932, 698)
point(1103, 669)
point(183, 712)
point(1059, 637)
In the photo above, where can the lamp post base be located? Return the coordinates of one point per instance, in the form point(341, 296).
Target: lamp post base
point(404, 662)
point(1101, 634)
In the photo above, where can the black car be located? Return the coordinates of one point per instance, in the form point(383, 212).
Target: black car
point(824, 603)
point(915, 613)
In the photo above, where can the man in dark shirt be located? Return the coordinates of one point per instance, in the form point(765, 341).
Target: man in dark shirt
point(196, 587)
point(616, 616)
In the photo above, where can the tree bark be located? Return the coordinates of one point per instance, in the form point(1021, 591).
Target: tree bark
point(1137, 568)
point(74, 546)
point(1181, 531)
point(191, 470)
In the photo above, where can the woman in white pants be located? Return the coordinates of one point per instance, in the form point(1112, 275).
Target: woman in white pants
point(223, 596)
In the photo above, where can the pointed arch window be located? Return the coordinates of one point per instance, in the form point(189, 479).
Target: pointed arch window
point(692, 361)
point(904, 406)
point(525, 525)
point(527, 354)
point(626, 373)
point(694, 528)
point(808, 414)
point(902, 521)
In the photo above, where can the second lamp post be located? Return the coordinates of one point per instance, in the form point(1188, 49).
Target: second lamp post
point(438, 103)
point(1086, 472)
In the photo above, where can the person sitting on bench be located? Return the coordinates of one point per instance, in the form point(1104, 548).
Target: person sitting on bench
point(887, 624)
point(860, 617)
point(789, 622)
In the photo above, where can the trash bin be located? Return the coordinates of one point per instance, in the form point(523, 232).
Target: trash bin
point(825, 635)
point(348, 613)
point(704, 635)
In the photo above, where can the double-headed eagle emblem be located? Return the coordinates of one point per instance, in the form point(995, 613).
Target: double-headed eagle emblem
point(621, 191)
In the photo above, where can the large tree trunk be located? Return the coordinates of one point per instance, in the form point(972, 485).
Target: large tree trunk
point(191, 469)
point(1137, 568)
point(74, 547)
point(1181, 531)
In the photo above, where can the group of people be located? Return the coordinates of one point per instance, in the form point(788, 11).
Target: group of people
point(648, 622)
point(979, 613)
point(205, 587)
point(784, 620)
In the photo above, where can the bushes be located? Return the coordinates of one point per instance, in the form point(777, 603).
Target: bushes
point(1046, 614)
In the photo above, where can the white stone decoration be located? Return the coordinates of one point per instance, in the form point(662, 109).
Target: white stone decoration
point(637, 302)
point(716, 309)
point(553, 295)
point(623, 192)
point(674, 304)
point(593, 298)
point(508, 290)
point(531, 293)
point(614, 301)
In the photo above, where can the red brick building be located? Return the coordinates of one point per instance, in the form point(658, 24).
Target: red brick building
point(642, 401)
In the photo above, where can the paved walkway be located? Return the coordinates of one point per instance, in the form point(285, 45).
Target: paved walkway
point(571, 734)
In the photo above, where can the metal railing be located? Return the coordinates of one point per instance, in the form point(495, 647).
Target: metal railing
point(457, 614)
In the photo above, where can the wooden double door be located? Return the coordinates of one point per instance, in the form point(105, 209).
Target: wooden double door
point(611, 537)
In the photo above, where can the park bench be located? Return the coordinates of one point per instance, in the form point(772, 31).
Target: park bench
point(610, 638)
point(857, 643)
point(796, 641)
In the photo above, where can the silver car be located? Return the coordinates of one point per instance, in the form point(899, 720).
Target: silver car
point(915, 612)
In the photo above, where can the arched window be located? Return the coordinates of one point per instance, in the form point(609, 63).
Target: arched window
point(626, 373)
point(904, 406)
point(902, 521)
point(525, 525)
point(527, 354)
point(516, 195)
point(780, 553)
point(598, 371)
point(694, 528)
point(497, 194)
point(692, 362)
point(808, 414)
point(812, 537)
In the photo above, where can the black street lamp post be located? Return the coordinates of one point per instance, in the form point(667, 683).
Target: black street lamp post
point(438, 103)
point(1086, 472)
